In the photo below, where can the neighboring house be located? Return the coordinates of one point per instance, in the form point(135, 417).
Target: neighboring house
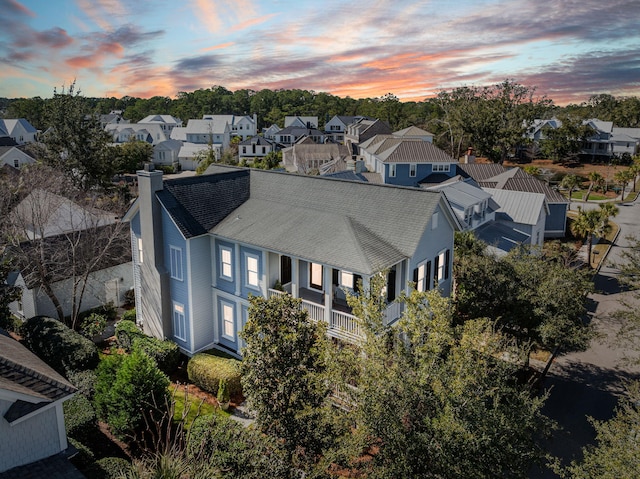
point(216, 132)
point(599, 146)
point(58, 221)
point(190, 154)
point(307, 156)
point(112, 118)
point(337, 125)
point(179, 133)
point(241, 125)
point(473, 205)
point(520, 214)
point(362, 130)
point(406, 162)
point(626, 140)
point(270, 133)
point(293, 134)
point(309, 122)
point(516, 179)
point(166, 153)
point(15, 156)
point(202, 244)
point(166, 122)
point(255, 147)
point(150, 132)
point(20, 130)
point(414, 133)
point(31, 416)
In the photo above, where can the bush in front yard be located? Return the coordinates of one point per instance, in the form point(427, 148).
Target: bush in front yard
point(79, 417)
point(206, 371)
point(85, 456)
point(164, 352)
point(60, 347)
point(129, 315)
point(85, 381)
point(129, 390)
point(126, 332)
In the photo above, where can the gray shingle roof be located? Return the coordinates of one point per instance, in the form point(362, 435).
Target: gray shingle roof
point(329, 218)
point(24, 373)
point(198, 203)
point(515, 179)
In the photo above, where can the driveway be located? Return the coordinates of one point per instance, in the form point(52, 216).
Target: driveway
point(589, 383)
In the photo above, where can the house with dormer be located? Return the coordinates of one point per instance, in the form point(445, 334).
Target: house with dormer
point(255, 147)
point(362, 130)
point(166, 123)
point(243, 126)
point(203, 244)
point(338, 124)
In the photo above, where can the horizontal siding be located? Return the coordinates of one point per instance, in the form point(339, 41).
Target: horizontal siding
point(200, 271)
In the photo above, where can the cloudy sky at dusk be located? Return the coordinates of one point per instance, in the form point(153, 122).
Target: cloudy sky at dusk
point(568, 49)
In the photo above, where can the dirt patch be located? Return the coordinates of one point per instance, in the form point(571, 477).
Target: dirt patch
point(581, 169)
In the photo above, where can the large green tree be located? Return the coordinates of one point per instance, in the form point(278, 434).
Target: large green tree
point(616, 453)
point(74, 141)
point(591, 223)
point(283, 373)
point(564, 142)
point(432, 399)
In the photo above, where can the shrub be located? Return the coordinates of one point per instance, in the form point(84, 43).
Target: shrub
point(79, 417)
point(126, 332)
point(60, 347)
point(129, 315)
point(85, 381)
point(164, 352)
point(108, 468)
point(93, 325)
point(223, 391)
point(85, 456)
point(128, 389)
point(109, 311)
point(130, 296)
point(206, 371)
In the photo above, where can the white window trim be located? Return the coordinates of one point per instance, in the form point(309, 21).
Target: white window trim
point(247, 283)
point(311, 284)
point(232, 307)
point(175, 254)
point(413, 168)
point(442, 258)
point(392, 170)
point(421, 284)
point(347, 279)
point(223, 250)
point(178, 309)
point(140, 251)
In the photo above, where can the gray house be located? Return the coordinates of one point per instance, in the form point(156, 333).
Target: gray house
point(202, 245)
point(31, 416)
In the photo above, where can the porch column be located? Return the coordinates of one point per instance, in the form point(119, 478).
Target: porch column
point(327, 280)
point(295, 274)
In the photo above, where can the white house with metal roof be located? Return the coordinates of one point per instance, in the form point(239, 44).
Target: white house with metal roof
point(243, 126)
point(203, 244)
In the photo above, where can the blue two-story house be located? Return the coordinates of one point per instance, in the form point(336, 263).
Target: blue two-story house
point(203, 244)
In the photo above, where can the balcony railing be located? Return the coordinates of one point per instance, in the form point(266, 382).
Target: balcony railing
point(341, 325)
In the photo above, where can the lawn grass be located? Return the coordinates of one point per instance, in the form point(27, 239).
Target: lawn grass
point(579, 195)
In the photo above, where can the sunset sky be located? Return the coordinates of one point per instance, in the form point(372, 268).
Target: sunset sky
point(568, 49)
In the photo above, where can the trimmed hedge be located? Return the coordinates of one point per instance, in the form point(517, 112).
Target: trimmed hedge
point(79, 417)
point(206, 371)
point(129, 315)
point(165, 353)
point(85, 456)
point(108, 468)
point(126, 332)
point(60, 347)
point(85, 381)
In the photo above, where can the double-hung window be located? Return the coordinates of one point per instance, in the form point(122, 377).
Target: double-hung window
point(228, 321)
point(140, 253)
point(346, 279)
point(226, 266)
point(421, 276)
point(179, 322)
point(315, 275)
point(412, 169)
point(252, 278)
point(176, 262)
point(392, 170)
point(441, 269)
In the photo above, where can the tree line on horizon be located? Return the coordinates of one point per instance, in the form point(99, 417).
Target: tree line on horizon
point(490, 119)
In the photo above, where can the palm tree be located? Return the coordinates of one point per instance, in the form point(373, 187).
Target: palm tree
point(590, 223)
point(623, 177)
point(571, 182)
point(596, 179)
point(635, 170)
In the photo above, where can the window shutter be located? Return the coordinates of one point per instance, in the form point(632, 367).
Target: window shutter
point(335, 279)
point(415, 277)
point(436, 265)
point(357, 279)
point(447, 258)
point(428, 277)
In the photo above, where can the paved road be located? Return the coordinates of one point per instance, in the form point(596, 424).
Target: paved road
point(589, 383)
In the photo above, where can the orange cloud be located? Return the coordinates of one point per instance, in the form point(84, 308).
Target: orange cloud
point(100, 11)
point(218, 47)
point(252, 22)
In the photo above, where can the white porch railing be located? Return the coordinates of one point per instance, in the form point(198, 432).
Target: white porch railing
point(316, 311)
point(345, 326)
